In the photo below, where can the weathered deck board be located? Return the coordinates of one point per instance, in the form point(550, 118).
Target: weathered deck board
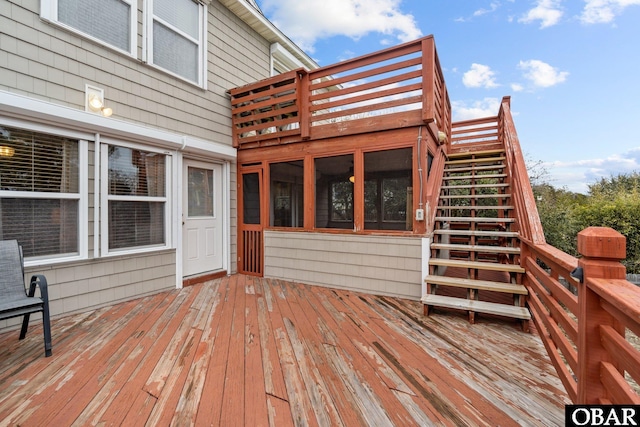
point(249, 351)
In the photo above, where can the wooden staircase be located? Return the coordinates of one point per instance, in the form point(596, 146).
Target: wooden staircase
point(474, 264)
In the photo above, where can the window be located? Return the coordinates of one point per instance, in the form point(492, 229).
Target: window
point(110, 22)
point(334, 192)
point(287, 194)
point(387, 189)
point(176, 37)
point(136, 198)
point(251, 198)
point(40, 195)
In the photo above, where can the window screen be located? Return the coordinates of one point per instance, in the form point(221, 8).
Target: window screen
point(106, 20)
point(176, 37)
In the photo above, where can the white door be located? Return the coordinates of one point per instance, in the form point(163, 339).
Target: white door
point(202, 218)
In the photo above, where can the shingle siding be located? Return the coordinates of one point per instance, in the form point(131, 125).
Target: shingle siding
point(384, 265)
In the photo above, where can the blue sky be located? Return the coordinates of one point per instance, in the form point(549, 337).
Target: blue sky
point(572, 68)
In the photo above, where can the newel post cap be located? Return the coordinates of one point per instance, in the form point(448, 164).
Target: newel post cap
point(602, 242)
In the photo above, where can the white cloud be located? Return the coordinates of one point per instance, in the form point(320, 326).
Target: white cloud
point(305, 22)
point(542, 74)
point(604, 11)
point(517, 87)
point(492, 8)
point(578, 174)
point(548, 12)
point(487, 107)
point(479, 76)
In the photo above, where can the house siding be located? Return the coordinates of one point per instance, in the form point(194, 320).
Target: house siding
point(383, 265)
point(42, 61)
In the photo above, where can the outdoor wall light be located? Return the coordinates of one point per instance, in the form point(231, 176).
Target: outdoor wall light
point(6, 151)
point(94, 101)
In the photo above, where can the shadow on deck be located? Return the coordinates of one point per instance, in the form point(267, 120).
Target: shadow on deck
point(249, 351)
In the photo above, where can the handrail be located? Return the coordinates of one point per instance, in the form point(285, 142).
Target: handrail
point(526, 209)
point(397, 87)
point(434, 183)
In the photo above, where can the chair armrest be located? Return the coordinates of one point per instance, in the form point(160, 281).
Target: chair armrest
point(40, 281)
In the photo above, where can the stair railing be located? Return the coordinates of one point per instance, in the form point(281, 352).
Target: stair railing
point(585, 310)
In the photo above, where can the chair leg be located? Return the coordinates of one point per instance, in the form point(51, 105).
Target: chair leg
point(25, 325)
point(46, 326)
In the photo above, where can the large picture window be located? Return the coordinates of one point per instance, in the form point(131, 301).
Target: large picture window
point(111, 22)
point(136, 198)
point(176, 37)
point(40, 192)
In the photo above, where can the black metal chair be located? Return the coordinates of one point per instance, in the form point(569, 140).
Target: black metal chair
point(14, 299)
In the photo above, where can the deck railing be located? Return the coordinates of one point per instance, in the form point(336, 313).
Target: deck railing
point(398, 87)
point(587, 313)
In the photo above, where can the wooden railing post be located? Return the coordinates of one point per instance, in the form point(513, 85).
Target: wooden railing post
point(428, 83)
point(303, 104)
point(601, 248)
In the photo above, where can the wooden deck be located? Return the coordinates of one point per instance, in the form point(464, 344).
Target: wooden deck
point(248, 351)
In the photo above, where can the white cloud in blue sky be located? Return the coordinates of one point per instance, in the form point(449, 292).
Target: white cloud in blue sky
point(586, 171)
point(542, 74)
point(548, 12)
point(480, 76)
point(307, 21)
point(604, 11)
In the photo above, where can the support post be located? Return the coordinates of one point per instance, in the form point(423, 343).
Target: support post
point(601, 248)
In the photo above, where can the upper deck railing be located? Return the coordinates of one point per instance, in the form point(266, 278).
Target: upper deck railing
point(398, 87)
point(585, 310)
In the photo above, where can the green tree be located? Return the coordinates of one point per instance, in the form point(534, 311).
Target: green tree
point(615, 202)
point(556, 208)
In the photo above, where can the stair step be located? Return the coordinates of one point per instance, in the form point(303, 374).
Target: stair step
point(476, 233)
point(479, 208)
point(473, 219)
point(485, 285)
point(475, 168)
point(477, 265)
point(480, 160)
point(476, 196)
point(487, 176)
point(477, 306)
point(496, 185)
point(476, 153)
point(476, 248)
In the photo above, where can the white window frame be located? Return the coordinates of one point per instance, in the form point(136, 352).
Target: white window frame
point(147, 44)
point(105, 198)
point(49, 12)
point(82, 195)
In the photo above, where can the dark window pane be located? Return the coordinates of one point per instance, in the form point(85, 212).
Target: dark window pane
point(37, 162)
point(251, 198)
point(42, 226)
point(136, 173)
point(134, 224)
